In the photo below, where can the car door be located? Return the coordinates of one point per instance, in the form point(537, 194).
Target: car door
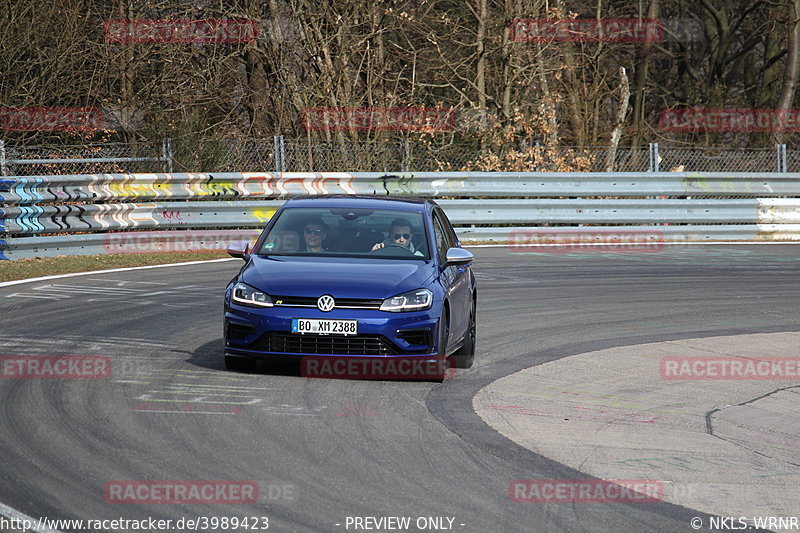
point(455, 279)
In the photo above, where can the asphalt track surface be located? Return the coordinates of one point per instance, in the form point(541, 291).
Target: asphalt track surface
point(324, 450)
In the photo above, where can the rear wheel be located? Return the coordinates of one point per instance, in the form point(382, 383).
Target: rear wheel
point(241, 364)
point(465, 356)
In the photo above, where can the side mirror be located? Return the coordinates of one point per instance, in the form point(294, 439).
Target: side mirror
point(458, 256)
point(234, 251)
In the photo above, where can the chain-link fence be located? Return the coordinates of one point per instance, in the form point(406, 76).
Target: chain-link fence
point(402, 155)
point(718, 160)
point(695, 159)
point(367, 156)
point(303, 155)
point(106, 158)
point(248, 156)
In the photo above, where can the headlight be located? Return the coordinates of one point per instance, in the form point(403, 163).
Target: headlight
point(408, 301)
point(247, 295)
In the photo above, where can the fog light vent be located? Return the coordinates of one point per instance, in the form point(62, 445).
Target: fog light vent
point(238, 332)
point(418, 337)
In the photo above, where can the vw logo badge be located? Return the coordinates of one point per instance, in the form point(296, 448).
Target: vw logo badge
point(325, 302)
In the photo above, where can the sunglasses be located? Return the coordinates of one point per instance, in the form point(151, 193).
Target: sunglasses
point(396, 236)
point(313, 231)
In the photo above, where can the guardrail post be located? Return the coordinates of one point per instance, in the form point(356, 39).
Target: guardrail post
point(654, 157)
point(166, 153)
point(782, 166)
point(3, 166)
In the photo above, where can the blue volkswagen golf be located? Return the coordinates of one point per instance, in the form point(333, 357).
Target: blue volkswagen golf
point(354, 278)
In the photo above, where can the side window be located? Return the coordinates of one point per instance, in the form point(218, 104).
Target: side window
point(443, 238)
point(438, 233)
point(449, 229)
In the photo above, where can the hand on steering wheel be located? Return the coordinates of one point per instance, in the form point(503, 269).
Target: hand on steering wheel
point(391, 246)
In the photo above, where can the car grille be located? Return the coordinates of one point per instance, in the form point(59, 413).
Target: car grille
point(324, 344)
point(341, 303)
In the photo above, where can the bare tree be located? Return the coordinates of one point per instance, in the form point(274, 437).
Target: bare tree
point(622, 110)
point(793, 63)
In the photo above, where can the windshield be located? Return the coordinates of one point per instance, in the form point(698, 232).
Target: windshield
point(347, 232)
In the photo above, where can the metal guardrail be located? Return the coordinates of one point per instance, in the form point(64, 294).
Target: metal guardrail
point(49, 215)
point(127, 243)
point(34, 220)
point(28, 190)
point(519, 238)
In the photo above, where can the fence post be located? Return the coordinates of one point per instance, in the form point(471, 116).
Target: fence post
point(283, 154)
point(166, 153)
point(654, 157)
point(782, 166)
point(3, 166)
point(279, 149)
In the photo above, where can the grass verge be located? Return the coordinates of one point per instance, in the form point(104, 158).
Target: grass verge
point(34, 268)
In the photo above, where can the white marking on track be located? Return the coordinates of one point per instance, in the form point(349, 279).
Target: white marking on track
point(225, 387)
point(186, 412)
point(123, 282)
point(52, 297)
point(294, 410)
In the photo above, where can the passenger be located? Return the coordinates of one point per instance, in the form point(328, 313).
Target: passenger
point(315, 233)
point(400, 233)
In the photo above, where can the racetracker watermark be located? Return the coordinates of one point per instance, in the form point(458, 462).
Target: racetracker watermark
point(570, 241)
point(586, 491)
point(383, 368)
point(181, 492)
point(717, 120)
point(204, 31)
point(51, 119)
point(55, 367)
point(730, 368)
point(524, 30)
point(426, 119)
point(173, 241)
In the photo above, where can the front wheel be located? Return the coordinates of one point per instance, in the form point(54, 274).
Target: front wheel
point(444, 361)
point(465, 356)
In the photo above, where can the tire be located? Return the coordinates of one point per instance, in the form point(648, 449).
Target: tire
point(444, 324)
point(240, 364)
point(465, 356)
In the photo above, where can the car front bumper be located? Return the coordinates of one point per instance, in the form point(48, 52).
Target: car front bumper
point(266, 333)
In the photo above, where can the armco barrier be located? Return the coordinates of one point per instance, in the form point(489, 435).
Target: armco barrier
point(31, 190)
point(34, 220)
point(83, 214)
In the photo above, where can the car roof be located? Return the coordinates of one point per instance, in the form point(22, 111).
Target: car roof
point(360, 201)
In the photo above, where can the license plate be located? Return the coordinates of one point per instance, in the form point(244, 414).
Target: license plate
point(326, 326)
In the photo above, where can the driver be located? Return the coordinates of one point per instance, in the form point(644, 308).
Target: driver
point(400, 234)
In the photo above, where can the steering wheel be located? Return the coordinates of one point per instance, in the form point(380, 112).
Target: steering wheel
point(391, 249)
